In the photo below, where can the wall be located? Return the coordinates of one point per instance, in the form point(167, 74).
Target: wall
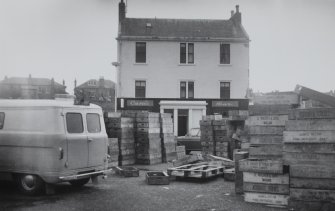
point(163, 72)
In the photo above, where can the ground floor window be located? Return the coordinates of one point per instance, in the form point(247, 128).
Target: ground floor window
point(140, 89)
point(225, 90)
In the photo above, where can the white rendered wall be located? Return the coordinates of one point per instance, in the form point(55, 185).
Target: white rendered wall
point(163, 73)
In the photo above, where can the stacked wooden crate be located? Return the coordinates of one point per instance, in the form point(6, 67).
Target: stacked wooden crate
point(265, 179)
point(309, 150)
point(180, 152)
point(148, 140)
point(122, 128)
point(113, 152)
point(207, 137)
point(169, 142)
point(220, 137)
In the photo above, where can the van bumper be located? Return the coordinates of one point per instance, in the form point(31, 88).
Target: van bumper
point(85, 175)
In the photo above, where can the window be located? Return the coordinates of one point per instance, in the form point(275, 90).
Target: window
point(187, 89)
point(183, 89)
point(93, 123)
point(140, 89)
point(141, 52)
point(225, 90)
point(74, 123)
point(186, 53)
point(2, 119)
point(224, 53)
point(191, 89)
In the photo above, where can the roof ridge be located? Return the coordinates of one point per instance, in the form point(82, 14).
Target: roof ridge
point(187, 19)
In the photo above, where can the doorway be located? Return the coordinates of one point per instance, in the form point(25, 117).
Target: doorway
point(182, 122)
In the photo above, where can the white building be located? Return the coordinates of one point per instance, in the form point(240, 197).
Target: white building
point(188, 67)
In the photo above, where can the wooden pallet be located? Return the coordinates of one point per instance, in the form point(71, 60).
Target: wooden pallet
point(199, 170)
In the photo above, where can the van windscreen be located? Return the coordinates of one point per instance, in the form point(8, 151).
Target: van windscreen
point(2, 119)
point(93, 123)
point(74, 123)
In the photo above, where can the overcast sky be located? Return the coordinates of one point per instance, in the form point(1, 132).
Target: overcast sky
point(292, 41)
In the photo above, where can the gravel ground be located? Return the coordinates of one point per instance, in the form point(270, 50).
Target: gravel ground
point(119, 193)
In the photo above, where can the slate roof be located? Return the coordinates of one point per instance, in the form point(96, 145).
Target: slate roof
point(108, 84)
point(182, 28)
point(31, 81)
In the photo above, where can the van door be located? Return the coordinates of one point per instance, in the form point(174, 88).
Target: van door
point(97, 144)
point(77, 152)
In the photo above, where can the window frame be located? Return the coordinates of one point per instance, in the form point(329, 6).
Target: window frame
point(186, 53)
point(223, 92)
point(225, 53)
point(138, 52)
point(88, 128)
point(187, 89)
point(2, 120)
point(67, 125)
point(136, 88)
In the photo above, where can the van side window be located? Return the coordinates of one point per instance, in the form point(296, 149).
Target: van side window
point(74, 123)
point(2, 119)
point(93, 123)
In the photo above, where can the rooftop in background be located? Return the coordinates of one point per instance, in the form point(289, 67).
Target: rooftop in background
point(93, 83)
point(30, 81)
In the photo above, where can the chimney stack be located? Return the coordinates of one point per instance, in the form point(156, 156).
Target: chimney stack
point(122, 11)
point(63, 82)
point(232, 13)
point(75, 83)
point(236, 17)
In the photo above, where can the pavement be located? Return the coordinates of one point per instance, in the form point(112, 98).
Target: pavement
point(133, 193)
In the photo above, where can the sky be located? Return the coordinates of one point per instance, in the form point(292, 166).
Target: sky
point(292, 41)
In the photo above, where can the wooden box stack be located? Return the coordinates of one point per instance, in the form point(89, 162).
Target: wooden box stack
point(169, 142)
point(148, 140)
point(309, 150)
point(265, 179)
point(207, 137)
point(113, 152)
point(221, 139)
point(180, 152)
point(122, 128)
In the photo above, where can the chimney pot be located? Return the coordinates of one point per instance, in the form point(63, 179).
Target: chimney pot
point(122, 11)
point(237, 8)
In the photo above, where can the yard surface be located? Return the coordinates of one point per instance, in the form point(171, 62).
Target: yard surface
point(133, 193)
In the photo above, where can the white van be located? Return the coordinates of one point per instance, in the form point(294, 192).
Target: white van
point(51, 141)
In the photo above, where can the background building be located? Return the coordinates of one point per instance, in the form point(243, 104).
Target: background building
point(187, 67)
point(30, 88)
point(100, 92)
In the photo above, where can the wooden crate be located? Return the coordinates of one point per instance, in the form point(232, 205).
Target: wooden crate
point(266, 188)
point(310, 125)
point(310, 206)
point(312, 171)
point(312, 113)
point(312, 194)
point(328, 148)
point(293, 158)
point(309, 136)
point(266, 198)
point(266, 139)
point(312, 183)
point(261, 166)
point(277, 99)
point(269, 109)
point(266, 151)
point(128, 171)
point(269, 120)
point(157, 178)
point(265, 178)
point(266, 130)
point(229, 174)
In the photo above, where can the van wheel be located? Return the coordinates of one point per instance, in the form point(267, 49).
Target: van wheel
point(30, 184)
point(80, 182)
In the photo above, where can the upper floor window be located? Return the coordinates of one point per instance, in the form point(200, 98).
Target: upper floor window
point(225, 90)
point(74, 123)
point(2, 119)
point(224, 53)
point(140, 89)
point(186, 53)
point(141, 51)
point(187, 89)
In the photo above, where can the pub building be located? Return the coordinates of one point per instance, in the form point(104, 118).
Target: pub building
point(186, 67)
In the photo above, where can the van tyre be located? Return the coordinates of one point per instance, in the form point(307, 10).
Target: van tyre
point(30, 184)
point(80, 182)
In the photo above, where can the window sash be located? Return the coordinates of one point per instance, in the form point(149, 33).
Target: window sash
point(182, 89)
point(191, 89)
point(93, 123)
point(190, 53)
point(74, 123)
point(225, 90)
point(140, 89)
point(183, 53)
point(140, 52)
point(224, 53)
point(2, 119)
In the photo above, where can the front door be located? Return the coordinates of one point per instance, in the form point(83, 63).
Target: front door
point(182, 122)
point(77, 151)
point(97, 139)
